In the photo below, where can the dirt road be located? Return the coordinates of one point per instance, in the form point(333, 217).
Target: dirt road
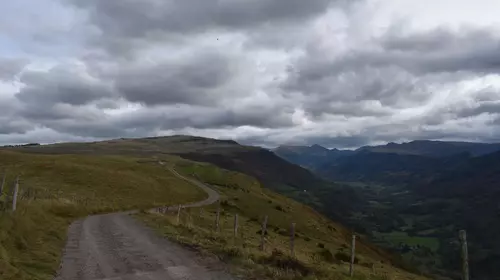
point(117, 247)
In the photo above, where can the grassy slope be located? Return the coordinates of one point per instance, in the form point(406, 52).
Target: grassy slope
point(242, 158)
point(244, 195)
point(275, 172)
point(68, 187)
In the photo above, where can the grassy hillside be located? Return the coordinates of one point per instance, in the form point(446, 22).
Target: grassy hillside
point(71, 180)
point(274, 172)
point(322, 247)
point(57, 189)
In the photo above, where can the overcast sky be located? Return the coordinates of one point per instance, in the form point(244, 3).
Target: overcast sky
point(341, 73)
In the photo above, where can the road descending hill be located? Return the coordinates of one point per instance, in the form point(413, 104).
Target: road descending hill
point(115, 246)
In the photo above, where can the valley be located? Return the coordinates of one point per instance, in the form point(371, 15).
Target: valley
point(420, 195)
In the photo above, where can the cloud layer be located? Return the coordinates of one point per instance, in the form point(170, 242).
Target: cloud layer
point(333, 72)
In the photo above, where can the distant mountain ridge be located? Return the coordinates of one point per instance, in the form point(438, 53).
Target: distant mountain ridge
point(377, 163)
point(432, 148)
point(310, 157)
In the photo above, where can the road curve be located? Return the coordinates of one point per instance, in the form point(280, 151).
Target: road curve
point(117, 247)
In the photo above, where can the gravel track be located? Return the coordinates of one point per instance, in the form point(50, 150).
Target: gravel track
point(117, 247)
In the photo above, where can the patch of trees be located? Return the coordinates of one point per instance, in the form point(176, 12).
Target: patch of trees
point(22, 145)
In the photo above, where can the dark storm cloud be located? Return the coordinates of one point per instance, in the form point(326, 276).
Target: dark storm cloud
point(190, 81)
point(400, 71)
point(10, 67)
point(487, 107)
point(10, 125)
point(119, 18)
point(341, 93)
point(95, 129)
point(49, 113)
point(171, 118)
point(435, 51)
point(60, 85)
point(85, 122)
point(432, 52)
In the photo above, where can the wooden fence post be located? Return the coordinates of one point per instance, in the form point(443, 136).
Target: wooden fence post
point(263, 234)
point(217, 227)
point(14, 195)
point(235, 225)
point(3, 183)
point(179, 215)
point(465, 255)
point(292, 239)
point(353, 255)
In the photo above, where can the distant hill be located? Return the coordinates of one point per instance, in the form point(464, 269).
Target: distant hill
point(401, 164)
point(434, 148)
point(389, 168)
point(310, 157)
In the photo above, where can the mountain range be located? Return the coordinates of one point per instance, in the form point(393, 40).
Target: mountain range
point(421, 193)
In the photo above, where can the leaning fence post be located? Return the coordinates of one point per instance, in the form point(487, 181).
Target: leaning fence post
point(217, 228)
point(263, 233)
point(179, 215)
point(292, 239)
point(3, 183)
point(14, 195)
point(353, 255)
point(465, 256)
point(235, 225)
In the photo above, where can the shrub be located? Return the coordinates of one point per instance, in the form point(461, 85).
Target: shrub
point(230, 253)
point(283, 232)
point(279, 208)
point(284, 262)
point(259, 232)
point(326, 255)
point(343, 256)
